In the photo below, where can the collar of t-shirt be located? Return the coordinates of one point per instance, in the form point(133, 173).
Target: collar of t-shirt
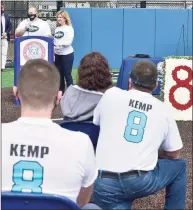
point(35, 120)
point(138, 92)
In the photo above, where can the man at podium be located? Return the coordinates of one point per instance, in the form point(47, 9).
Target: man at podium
point(33, 26)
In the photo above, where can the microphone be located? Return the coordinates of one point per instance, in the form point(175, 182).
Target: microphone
point(29, 23)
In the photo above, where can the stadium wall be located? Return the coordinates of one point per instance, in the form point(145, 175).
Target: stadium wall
point(118, 33)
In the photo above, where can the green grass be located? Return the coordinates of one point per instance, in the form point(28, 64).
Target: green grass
point(7, 77)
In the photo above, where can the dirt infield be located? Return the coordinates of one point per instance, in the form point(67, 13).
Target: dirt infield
point(10, 112)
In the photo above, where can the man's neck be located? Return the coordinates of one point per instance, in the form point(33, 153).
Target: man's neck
point(41, 113)
point(141, 89)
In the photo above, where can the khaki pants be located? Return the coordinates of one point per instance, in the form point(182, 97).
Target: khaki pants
point(4, 48)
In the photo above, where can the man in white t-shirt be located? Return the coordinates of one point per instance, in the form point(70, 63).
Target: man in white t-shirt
point(33, 26)
point(39, 156)
point(133, 126)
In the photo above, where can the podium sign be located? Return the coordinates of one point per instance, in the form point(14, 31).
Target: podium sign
point(31, 47)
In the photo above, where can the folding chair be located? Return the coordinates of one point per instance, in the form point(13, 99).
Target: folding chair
point(86, 127)
point(29, 201)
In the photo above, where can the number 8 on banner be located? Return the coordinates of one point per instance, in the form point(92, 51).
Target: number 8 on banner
point(181, 84)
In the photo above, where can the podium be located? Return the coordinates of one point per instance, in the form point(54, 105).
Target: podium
point(126, 67)
point(28, 48)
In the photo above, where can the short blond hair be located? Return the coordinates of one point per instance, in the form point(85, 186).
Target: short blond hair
point(66, 16)
point(38, 83)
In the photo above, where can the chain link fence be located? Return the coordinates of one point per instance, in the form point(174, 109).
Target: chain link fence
point(128, 4)
point(17, 11)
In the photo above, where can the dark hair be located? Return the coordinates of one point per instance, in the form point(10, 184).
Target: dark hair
point(94, 72)
point(144, 75)
point(38, 83)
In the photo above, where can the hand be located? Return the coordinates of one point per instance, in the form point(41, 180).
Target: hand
point(27, 26)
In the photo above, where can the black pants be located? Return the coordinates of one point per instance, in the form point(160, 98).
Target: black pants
point(64, 64)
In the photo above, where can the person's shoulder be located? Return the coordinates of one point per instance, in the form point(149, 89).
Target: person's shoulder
point(7, 127)
point(114, 91)
point(24, 21)
point(162, 109)
point(159, 103)
point(69, 28)
point(43, 21)
point(71, 90)
point(76, 87)
point(9, 124)
point(74, 137)
point(71, 87)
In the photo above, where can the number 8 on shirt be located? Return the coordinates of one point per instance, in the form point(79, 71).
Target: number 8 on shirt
point(136, 123)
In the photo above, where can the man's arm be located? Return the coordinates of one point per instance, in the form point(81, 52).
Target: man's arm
point(169, 155)
point(90, 175)
point(21, 29)
point(20, 32)
point(84, 196)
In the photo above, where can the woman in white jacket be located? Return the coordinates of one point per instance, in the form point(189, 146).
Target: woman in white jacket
point(64, 52)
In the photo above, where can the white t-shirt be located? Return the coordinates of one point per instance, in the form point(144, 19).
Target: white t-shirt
point(40, 156)
point(63, 39)
point(37, 27)
point(133, 126)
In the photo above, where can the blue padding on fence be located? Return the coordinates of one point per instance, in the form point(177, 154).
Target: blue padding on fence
point(81, 20)
point(107, 27)
point(139, 32)
point(169, 32)
point(118, 33)
point(189, 34)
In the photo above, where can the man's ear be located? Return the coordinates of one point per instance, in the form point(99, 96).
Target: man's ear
point(58, 97)
point(130, 84)
point(155, 86)
point(15, 92)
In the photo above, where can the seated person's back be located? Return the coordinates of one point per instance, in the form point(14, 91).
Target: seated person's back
point(94, 78)
point(133, 126)
point(54, 159)
point(38, 155)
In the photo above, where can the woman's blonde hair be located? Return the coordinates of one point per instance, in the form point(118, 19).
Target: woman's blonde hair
point(66, 16)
